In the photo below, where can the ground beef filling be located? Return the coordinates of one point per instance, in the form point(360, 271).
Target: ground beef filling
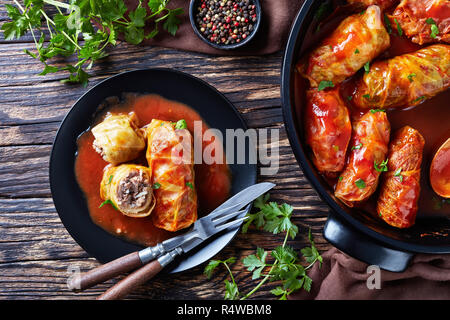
point(134, 190)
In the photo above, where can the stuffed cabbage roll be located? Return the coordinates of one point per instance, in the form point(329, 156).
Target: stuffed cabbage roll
point(383, 4)
point(424, 21)
point(356, 41)
point(118, 139)
point(369, 146)
point(170, 157)
point(128, 188)
point(328, 130)
point(398, 201)
point(405, 80)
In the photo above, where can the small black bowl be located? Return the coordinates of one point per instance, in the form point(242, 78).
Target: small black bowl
point(192, 14)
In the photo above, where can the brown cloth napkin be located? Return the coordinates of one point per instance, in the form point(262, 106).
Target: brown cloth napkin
point(277, 17)
point(344, 278)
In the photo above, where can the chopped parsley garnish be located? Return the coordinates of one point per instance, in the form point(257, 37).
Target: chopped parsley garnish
point(357, 146)
point(418, 99)
point(411, 76)
point(108, 202)
point(367, 67)
point(366, 96)
point(340, 178)
point(434, 28)
point(190, 185)
point(156, 185)
point(325, 84)
point(399, 29)
point(398, 174)
point(360, 183)
point(336, 148)
point(356, 51)
point(382, 167)
point(388, 24)
point(181, 124)
point(349, 98)
point(377, 110)
point(110, 179)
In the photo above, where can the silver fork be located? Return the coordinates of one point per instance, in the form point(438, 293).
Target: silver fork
point(203, 229)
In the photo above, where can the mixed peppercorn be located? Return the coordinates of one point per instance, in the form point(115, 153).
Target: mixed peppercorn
point(226, 22)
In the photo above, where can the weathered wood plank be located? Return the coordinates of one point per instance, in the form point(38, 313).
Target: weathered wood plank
point(249, 82)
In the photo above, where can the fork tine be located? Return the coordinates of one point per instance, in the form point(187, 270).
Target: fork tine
point(231, 224)
point(224, 218)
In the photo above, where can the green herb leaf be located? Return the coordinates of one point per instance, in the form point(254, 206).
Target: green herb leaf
point(156, 185)
point(181, 124)
point(108, 202)
point(399, 29)
point(190, 185)
point(356, 51)
point(367, 67)
point(360, 183)
point(398, 174)
point(357, 146)
point(387, 23)
point(382, 167)
point(418, 99)
point(434, 28)
point(84, 29)
point(376, 110)
point(411, 76)
point(366, 96)
point(325, 84)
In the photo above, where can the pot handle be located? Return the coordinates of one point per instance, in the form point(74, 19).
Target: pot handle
point(358, 245)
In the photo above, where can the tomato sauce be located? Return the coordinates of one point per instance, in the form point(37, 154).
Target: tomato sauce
point(213, 182)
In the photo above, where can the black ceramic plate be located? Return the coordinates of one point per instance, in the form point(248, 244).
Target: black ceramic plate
point(69, 200)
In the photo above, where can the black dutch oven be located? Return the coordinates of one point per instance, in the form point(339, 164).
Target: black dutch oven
point(358, 234)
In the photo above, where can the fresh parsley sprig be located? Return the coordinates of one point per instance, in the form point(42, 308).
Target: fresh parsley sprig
point(285, 266)
point(84, 29)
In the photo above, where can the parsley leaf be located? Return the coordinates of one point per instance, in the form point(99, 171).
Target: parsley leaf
point(181, 124)
point(382, 167)
point(398, 174)
point(367, 67)
point(83, 29)
point(285, 266)
point(411, 76)
point(399, 29)
point(109, 202)
point(387, 24)
point(434, 28)
point(357, 146)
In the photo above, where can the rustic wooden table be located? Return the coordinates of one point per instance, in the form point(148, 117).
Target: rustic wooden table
point(35, 248)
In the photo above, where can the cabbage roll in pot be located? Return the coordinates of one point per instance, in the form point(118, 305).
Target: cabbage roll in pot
point(328, 130)
point(128, 187)
point(405, 80)
point(357, 40)
point(369, 146)
point(118, 139)
point(400, 189)
point(170, 156)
